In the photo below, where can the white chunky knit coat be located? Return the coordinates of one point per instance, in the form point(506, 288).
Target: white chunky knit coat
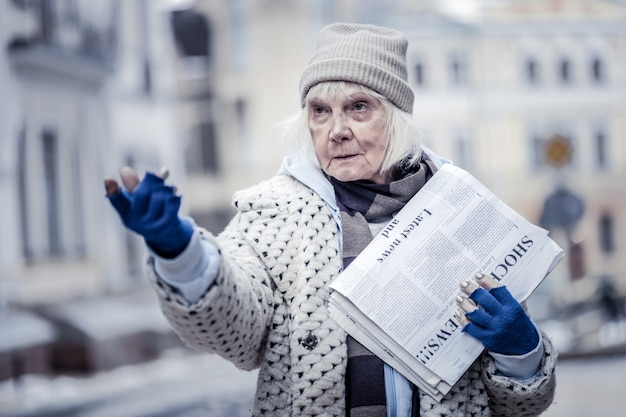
point(268, 309)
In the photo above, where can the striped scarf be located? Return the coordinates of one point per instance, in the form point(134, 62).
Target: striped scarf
point(361, 203)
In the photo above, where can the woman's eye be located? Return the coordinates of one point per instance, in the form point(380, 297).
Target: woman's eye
point(318, 110)
point(359, 106)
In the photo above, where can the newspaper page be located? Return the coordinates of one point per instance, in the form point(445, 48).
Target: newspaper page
point(397, 298)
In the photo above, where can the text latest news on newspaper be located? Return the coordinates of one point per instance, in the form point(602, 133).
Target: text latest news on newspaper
point(397, 297)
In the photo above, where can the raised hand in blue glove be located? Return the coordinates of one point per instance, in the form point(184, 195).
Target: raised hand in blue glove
point(495, 318)
point(150, 209)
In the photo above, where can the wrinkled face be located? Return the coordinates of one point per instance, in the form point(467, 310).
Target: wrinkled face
point(348, 134)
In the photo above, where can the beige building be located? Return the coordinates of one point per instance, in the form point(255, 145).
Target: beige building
point(54, 128)
point(87, 88)
point(496, 86)
point(494, 82)
point(232, 99)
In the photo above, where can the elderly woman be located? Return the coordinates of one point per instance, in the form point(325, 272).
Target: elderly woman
point(257, 294)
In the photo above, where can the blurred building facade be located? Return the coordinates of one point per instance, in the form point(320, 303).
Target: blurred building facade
point(54, 66)
point(530, 96)
point(233, 92)
point(497, 84)
point(86, 88)
point(539, 108)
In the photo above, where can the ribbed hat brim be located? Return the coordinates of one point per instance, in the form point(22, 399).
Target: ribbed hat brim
point(369, 55)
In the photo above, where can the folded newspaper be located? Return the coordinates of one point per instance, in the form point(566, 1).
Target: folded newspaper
point(397, 297)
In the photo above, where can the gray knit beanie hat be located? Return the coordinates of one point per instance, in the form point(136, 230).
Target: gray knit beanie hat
point(370, 55)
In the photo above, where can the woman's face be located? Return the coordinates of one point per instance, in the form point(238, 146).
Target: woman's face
point(348, 134)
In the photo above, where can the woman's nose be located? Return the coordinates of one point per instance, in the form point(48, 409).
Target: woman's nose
point(340, 130)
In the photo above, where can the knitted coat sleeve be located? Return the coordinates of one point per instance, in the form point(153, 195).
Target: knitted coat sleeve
point(233, 318)
point(509, 396)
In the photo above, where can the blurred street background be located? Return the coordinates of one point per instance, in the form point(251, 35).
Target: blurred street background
point(527, 95)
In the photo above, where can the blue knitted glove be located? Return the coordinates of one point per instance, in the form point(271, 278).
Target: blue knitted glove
point(501, 323)
point(151, 211)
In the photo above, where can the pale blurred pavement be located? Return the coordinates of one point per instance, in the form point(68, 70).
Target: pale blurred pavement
point(588, 387)
point(590, 378)
point(177, 385)
point(207, 386)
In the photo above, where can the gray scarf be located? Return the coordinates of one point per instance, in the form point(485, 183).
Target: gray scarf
point(360, 203)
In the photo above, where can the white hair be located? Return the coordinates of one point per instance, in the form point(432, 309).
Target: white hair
point(403, 135)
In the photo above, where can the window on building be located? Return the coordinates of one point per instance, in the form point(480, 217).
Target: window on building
point(50, 189)
point(531, 68)
point(23, 196)
point(458, 69)
point(49, 144)
point(208, 148)
point(249, 153)
point(601, 148)
point(47, 21)
point(597, 70)
point(241, 113)
point(463, 151)
point(537, 151)
point(194, 40)
point(69, 26)
point(75, 233)
point(565, 70)
point(607, 233)
point(146, 59)
point(202, 152)
point(419, 77)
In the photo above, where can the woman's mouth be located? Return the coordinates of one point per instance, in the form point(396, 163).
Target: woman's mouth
point(345, 157)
